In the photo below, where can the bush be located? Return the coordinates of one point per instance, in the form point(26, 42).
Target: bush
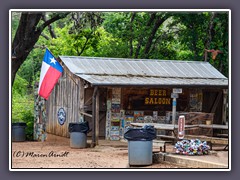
point(28, 118)
point(23, 105)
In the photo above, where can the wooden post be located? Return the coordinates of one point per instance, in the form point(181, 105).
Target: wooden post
point(205, 55)
point(224, 107)
point(97, 117)
point(94, 116)
point(217, 100)
point(174, 106)
point(81, 99)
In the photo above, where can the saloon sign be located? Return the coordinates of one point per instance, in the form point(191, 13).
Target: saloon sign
point(157, 96)
point(181, 127)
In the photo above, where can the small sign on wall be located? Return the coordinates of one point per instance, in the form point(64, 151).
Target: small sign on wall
point(177, 90)
point(61, 116)
point(174, 95)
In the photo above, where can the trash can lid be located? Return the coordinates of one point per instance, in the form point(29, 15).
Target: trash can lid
point(78, 127)
point(146, 133)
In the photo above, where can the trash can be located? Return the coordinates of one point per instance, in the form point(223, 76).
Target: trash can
point(78, 134)
point(18, 131)
point(140, 145)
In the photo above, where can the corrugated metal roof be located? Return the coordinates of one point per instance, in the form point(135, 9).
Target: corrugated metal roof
point(117, 71)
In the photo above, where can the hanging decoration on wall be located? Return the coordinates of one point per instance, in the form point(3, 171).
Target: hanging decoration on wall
point(61, 116)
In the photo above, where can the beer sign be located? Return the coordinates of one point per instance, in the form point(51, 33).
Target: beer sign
point(157, 97)
point(181, 127)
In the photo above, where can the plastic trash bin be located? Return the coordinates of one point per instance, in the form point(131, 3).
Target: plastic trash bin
point(18, 131)
point(78, 134)
point(140, 145)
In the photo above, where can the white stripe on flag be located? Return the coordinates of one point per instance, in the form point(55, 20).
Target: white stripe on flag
point(44, 70)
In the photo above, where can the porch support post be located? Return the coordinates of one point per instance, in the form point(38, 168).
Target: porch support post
point(97, 117)
point(94, 116)
point(81, 103)
point(224, 107)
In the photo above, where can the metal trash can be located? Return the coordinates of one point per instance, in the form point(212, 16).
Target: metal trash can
point(140, 152)
point(18, 132)
point(78, 134)
point(140, 145)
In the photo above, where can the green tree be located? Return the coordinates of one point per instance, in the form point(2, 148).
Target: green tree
point(74, 44)
point(140, 31)
point(27, 34)
point(204, 30)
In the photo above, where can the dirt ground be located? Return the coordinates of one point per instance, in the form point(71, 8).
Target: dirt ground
point(56, 152)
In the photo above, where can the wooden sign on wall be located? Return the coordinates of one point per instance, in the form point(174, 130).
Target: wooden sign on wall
point(157, 96)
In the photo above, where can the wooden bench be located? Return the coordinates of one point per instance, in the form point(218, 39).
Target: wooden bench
point(166, 137)
point(162, 144)
point(222, 135)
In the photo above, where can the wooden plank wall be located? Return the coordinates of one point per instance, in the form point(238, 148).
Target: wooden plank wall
point(102, 113)
point(209, 97)
point(65, 95)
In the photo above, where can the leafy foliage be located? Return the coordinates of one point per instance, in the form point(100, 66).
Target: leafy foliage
point(15, 22)
point(74, 44)
point(22, 105)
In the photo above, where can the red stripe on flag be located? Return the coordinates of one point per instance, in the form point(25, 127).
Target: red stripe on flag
point(49, 81)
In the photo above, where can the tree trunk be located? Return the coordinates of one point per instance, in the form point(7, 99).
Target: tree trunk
point(159, 22)
point(194, 43)
point(50, 28)
point(27, 35)
point(24, 40)
point(131, 34)
point(139, 45)
point(210, 34)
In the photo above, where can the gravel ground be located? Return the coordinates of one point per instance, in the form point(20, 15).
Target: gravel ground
point(57, 153)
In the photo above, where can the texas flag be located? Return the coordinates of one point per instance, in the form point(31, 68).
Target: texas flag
point(50, 73)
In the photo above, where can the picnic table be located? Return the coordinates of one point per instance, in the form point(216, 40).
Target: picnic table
point(174, 137)
point(168, 127)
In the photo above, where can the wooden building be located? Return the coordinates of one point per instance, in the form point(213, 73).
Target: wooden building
point(110, 93)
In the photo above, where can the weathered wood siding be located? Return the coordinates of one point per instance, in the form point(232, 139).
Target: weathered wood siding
point(70, 94)
point(66, 94)
point(102, 109)
point(209, 98)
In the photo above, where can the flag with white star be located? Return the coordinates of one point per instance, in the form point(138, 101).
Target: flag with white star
point(50, 73)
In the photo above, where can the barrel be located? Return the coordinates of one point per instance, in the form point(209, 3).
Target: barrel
point(18, 132)
point(78, 134)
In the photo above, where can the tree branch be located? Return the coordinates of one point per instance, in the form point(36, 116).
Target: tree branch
point(52, 33)
point(140, 40)
point(55, 18)
point(85, 44)
point(160, 20)
point(131, 33)
point(45, 36)
point(40, 46)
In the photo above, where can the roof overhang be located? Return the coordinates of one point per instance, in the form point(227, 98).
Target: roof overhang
point(106, 80)
point(140, 72)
